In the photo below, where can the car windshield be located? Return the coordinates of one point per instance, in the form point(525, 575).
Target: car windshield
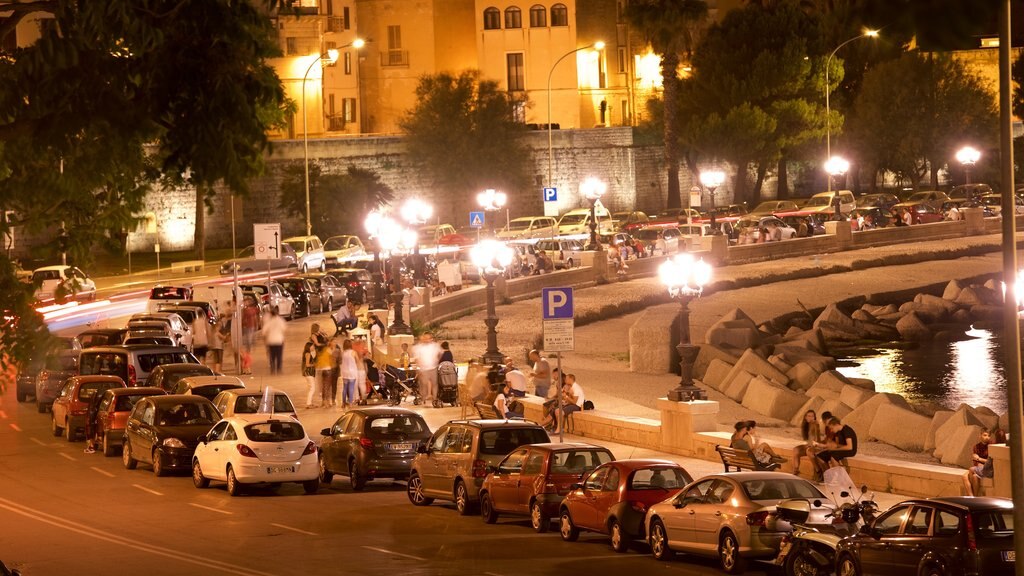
point(659, 478)
point(334, 244)
point(766, 207)
point(292, 284)
point(991, 200)
point(819, 201)
point(168, 293)
point(519, 224)
point(920, 197)
point(41, 275)
point(251, 404)
point(779, 489)
point(210, 392)
point(187, 414)
point(578, 461)
point(171, 378)
point(126, 402)
point(63, 362)
point(648, 234)
point(247, 252)
point(275, 431)
point(87, 391)
point(149, 361)
point(570, 219)
point(395, 425)
point(297, 245)
point(503, 441)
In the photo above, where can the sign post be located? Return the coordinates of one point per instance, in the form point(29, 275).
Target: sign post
point(476, 219)
point(558, 317)
point(550, 198)
point(266, 243)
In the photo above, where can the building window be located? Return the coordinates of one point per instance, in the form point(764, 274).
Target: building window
point(328, 46)
point(348, 109)
point(622, 61)
point(519, 112)
point(348, 63)
point(329, 4)
point(291, 44)
point(559, 15)
point(516, 75)
point(538, 16)
point(513, 17)
point(394, 37)
point(492, 19)
point(623, 108)
point(602, 68)
point(330, 104)
point(345, 18)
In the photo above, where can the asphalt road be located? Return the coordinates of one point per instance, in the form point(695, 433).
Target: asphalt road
point(66, 512)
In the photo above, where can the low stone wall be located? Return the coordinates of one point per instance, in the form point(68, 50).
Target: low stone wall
point(603, 425)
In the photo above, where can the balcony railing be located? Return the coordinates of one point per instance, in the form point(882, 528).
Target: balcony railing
point(335, 24)
point(394, 58)
point(336, 123)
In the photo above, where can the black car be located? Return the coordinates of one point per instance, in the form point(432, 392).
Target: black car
point(102, 337)
point(166, 376)
point(358, 281)
point(369, 443)
point(949, 536)
point(164, 430)
point(332, 291)
point(306, 296)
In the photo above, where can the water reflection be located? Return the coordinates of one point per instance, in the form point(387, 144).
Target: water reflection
point(968, 371)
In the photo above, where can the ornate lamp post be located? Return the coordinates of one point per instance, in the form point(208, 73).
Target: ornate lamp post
point(836, 166)
point(597, 46)
point(828, 91)
point(593, 189)
point(491, 201)
point(373, 224)
point(492, 257)
point(396, 240)
point(711, 180)
point(685, 279)
point(968, 156)
point(326, 59)
point(416, 212)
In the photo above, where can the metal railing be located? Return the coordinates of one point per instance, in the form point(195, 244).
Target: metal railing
point(394, 58)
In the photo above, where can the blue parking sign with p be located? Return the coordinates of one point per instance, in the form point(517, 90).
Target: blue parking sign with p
point(551, 194)
point(556, 303)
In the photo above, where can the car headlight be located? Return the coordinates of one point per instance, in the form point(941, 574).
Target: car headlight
point(173, 443)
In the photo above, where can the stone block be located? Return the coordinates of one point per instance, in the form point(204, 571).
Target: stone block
point(716, 374)
point(813, 403)
point(963, 416)
point(1004, 421)
point(854, 396)
point(709, 352)
point(650, 352)
point(751, 362)
point(810, 339)
point(952, 290)
point(865, 383)
point(735, 384)
point(956, 447)
point(801, 375)
point(936, 304)
point(988, 417)
point(828, 385)
point(836, 407)
point(925, 314)
point(737, 314)
point(863, 316)
point(911, 327)
point(961, 316)
point(969, 297)
point(938, 420)
point(900, 427)
point(833, 315)
point(736, 334)
point(792, 332)
point(986, 312)
point(875, 331)
point(795, 354)
point(766, 397)
point(862, 417)
point(991, 293)
point(780, 364)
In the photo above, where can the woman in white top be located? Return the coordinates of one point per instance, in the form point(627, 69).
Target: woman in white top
point(503, 402)
point(349, 373)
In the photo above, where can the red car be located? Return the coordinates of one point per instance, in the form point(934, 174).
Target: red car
point(116, 405)
point(922, 213)
point(534, 479)
point(615, 497)
point(71, 406)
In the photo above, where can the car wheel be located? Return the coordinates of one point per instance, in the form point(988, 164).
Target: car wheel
point(462, 504)
point(847, 567)
point(198, 480)
point(108, 448)
point(69, 434)
point(305, 268)
point(324, 308)
point(22, 396)
point(330, 305)
point(800, 563)
point(355, 479)
point(325, 475)
point(933, 570)
point(487, 511)
point(568, 264)
point(234, 487)
point(126, 456)
point(729, 554)
point(414, 489)
point(538, 519)
point(323, 266)
point(569, 531)
point(311, 486)
point(659, 542)
point(309, 309)
point(620, 543)
point(57, 430)
point(158, 464)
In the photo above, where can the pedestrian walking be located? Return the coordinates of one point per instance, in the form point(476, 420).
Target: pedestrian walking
point(200, 335)
point(427, 353)
point(215, 351)
point(273, 337)
point(250, 324)
point(324, 366)
point(349, 364)
point(309, 368)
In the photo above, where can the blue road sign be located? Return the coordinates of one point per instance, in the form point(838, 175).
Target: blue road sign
point(550, 194)
point(556, 303)
point(476, 219)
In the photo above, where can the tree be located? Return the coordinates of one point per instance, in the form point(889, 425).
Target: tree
point(670, 27)
point(462, 133)
point(338, 202)
point(914, 126)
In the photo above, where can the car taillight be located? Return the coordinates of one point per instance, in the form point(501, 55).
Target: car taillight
point(353, 284)
point(245, 451)
point(757, 518)
point(44, 375)
point(972, 540)
point(131, 375)
point(479, 468)
point(310, 449)
point(366, 443)
point(638, 506)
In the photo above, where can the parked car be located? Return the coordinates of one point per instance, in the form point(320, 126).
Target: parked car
point(822, 202)
point(333, 294)
point(253, 449)
point(534, 479)
point(431, 234)
point(307, 297)
point(770, 207)
point(969, 192)
point(614, 498)
point(247, 263)
point(678, 216)
point(994, 202)
point(132, 364)
point(114, 408)
point(564, 253)
point(57, 368)
point(207, 386)
point(165, 294)
point(69, 410)
point(309, 253)
point(729, 210)
point(163, 430)
point(577, 221)
point(148, 338)
point(166, 376)
point(357, 281)
point(247, 401)
point(630, 221)
point(529, 227)
point(729, 517)
point(373, 442)
point(102, 337)
point(880, 217)
point(270, 294)
point(341, 249)
point(952, 536)
point(206, 307)
point(650, 236)
point(179, 330)
point(62, 357)
point(878, 200)
point(453, 464)
point(933, 198)
point(744, 224)
point(923, 213)
point(62, 283)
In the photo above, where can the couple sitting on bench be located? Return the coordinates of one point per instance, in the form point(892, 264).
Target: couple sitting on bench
point(744, 438)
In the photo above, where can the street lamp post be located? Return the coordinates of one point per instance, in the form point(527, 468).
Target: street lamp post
point(828, 90)
point(492, 257)
point(492, 202)
point(416, 212)
point(597, 45)
point(968, 156)
point(593, 189)
point(685, 279)
point(373, 228)
point(711, 180)
point(397, 241)
point(331, 56)
point(836, 166)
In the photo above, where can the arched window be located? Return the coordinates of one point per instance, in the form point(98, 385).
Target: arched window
point(538, 16)
point(559, 15)
point(513, 17)
point(492, 19)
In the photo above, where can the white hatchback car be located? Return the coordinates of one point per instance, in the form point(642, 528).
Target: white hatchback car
point(255, 449)
point(247, 401)
point(63, 282)
point(309, 251)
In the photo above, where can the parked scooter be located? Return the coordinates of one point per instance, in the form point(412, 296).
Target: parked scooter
point(811, 550)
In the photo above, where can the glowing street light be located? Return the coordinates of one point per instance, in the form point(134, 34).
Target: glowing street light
point(492, 257)
point(593, 189)
point(374, 225)
point(599, 45)
point(711, 180)
point(828, 90)
point(396, 240)
point(836, 166)
point(968, 156)
point(685, 279)
point(491, 201)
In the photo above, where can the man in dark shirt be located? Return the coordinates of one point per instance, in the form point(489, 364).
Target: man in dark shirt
point(846, 444)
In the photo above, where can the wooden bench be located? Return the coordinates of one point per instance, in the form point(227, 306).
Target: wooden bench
point(488, 411)
point(740, 459)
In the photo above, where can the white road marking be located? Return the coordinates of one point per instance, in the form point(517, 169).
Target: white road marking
point(383, 551)
point(144, 489)
point(104, 472)
point(15, 427)
point(38, 441)
point(3, 414)
point(63, 455)
point(294, 529)
point(210, 509)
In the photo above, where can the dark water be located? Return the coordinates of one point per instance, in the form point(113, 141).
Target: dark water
point(951, 373)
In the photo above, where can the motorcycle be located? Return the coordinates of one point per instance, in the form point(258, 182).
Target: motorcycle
point(811, 550)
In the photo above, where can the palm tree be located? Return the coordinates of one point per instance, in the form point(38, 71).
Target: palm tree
point(668, 25)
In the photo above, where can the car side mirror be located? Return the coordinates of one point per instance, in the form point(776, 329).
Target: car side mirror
point(678, 503)
point(576, 486)
point(869, 531)
point(423, 449)
point(203, 439)
point(490, 469)
point(325, 432)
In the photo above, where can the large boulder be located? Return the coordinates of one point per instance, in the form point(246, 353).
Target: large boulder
point(836, 407)
point(938, 420)
point(876, 331)
point(877, 311)
point(773, 400)
point(795, 355)
point(708, 353)
point(963, 417)
point(751, 362)
point(862, 417)
point(735, 330)
point(812, 403)
point(900, 427)
point(735, 384)
point(980, 312)
point(952, 290)
point(961, 316)
point(911, 327)
point(938, 306)
point(988, 417)
point(969, 297)
point(809, 339)
point(801, 376)
point(780, 364)
point(926, 314)
point(828, 385)
point(865, 383)
point(716, 374)
point(834, 316)
point(863, 315)
point(991, 293)
point(854, 396)
point(958, 445)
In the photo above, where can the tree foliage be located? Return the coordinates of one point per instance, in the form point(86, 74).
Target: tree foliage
point(338, 202)
point(462, 134)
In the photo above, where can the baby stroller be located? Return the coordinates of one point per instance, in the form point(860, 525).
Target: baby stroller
point(447, 385)
point(399, 385)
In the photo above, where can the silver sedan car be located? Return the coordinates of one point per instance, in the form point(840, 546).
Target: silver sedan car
point(730, 516)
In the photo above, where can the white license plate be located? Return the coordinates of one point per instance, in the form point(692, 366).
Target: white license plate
point(400, 447)
point(1009, 555)
point(279, 469)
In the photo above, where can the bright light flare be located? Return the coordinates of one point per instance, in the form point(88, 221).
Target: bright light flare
point(712, 178)
point(593, 188)
point(837, 166)
point(416, 211)
point(685, 275)
point(491, 256)
point(968, 156)
point(491, 200)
